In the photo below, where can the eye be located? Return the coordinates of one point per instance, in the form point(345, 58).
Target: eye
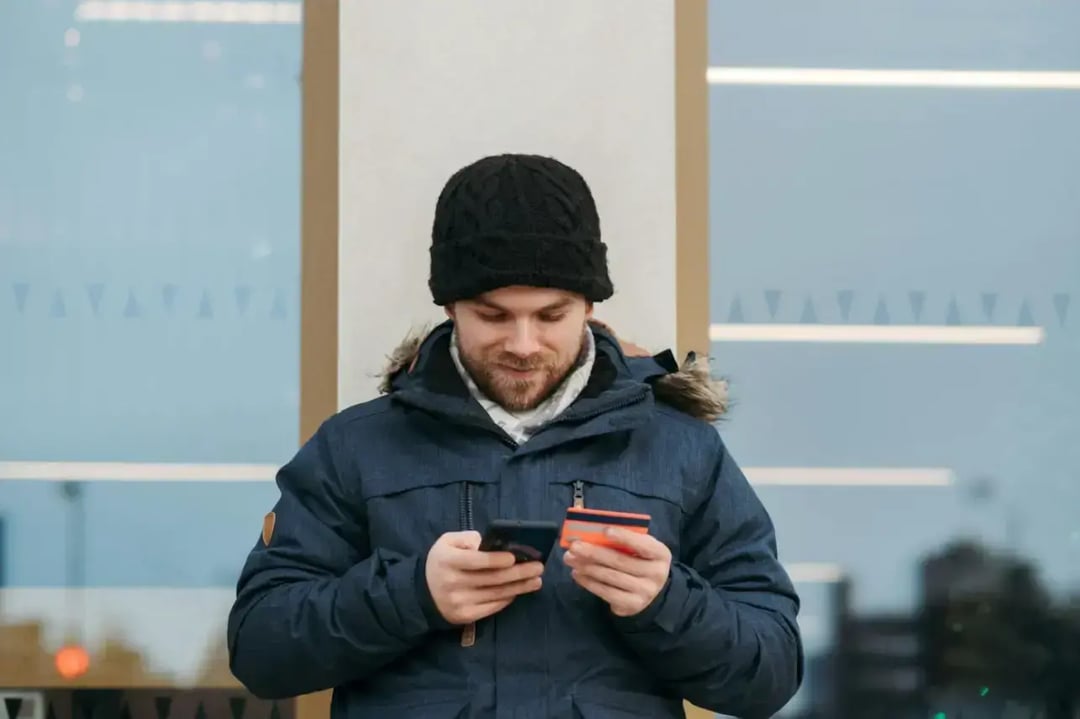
point(552, 317)
point(492, 317)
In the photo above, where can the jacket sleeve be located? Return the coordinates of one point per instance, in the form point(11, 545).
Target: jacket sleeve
point(723, 631)
point(315, 608)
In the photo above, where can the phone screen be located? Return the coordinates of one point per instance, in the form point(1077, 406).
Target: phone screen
point(528, 541)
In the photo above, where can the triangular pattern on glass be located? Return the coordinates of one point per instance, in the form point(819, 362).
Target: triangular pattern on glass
point(735, 312)
point(86, 706)
point(95, 292)
point(206, 309)
point(237, 705)
point(168, 296)
point(881, 314)
point(844, 298)
point(278, 309)
point(952, 313)
point(1025, 319)
point(58, 309)
point(243, 298)
point(1061, 307)
point(131, 307)
point(22, 291)
point(772, 300)
point(917, 300)
point(13, 705)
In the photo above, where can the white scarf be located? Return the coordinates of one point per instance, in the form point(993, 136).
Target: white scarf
point(522, 425)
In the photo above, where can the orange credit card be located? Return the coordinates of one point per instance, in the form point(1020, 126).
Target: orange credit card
point(588, 525)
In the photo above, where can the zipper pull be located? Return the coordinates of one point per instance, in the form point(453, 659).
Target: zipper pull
point(579, 494)
point(468, 635)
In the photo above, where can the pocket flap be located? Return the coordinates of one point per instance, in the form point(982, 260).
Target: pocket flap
point(383, 483)
point(649, 488)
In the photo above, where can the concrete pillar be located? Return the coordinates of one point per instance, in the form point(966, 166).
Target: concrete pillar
point(398, 95)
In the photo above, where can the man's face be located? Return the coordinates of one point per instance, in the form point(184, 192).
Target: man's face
point(519, 343)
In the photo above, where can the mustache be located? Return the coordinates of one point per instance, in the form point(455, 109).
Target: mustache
point(523, 364)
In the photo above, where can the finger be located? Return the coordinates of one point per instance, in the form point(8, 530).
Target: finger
point(614, 578)
point(463, 540)
point(611, 595)
point(486, 609)
point(582, 553)
point(503, 591)
point(474, 560)
point(645, 546)
point(498, 577)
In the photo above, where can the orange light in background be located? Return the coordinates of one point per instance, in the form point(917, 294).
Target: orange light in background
point(72, 661)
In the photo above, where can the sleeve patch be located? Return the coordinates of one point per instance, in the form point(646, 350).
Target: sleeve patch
point(268, 528)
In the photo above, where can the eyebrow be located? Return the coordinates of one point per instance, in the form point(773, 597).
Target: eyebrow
point(557, 305)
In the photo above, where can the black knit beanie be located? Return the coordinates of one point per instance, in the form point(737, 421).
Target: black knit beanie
point(516, 220)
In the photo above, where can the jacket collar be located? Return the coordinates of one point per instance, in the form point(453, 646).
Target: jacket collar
point(613, 399)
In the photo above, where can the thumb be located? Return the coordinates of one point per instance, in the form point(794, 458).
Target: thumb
point(463, 540)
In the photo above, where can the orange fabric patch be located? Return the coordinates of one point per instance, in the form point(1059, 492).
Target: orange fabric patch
point(268, 528)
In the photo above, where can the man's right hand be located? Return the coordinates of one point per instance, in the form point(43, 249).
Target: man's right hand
point(468, 585)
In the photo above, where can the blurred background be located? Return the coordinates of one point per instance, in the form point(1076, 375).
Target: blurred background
point(895, 254)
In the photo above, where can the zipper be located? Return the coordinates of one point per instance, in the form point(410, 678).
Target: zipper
point(579, 494)
point(468, 634)
point(465, 513)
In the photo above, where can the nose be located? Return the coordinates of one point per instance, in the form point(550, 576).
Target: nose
point(524, 341)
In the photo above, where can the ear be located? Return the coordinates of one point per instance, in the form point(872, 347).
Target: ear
point(449, 309)
point(588, 310)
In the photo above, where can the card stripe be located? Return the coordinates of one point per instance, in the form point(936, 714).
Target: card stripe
point(595, 519)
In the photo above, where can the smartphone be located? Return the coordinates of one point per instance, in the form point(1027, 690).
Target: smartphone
point(529, 541)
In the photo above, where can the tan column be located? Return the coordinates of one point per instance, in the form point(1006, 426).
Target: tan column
point(398, 95)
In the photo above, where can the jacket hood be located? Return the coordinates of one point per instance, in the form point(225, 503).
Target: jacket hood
point(688, 387)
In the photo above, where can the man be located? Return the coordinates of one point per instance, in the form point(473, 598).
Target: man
point(368, 577)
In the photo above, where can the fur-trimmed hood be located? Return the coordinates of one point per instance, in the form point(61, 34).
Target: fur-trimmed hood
point(689, 387)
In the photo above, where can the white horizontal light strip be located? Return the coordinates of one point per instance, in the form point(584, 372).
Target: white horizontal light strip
point(848, 77)
point(190, 11)
point(850, 476)
point(878, 334)
point(814, 572)
point(136, 472)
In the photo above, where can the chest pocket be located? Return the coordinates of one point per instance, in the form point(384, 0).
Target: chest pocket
point(625, 492)
point(407, 512)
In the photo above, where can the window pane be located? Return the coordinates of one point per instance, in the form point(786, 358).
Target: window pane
point(894, 272)
point(149, 298)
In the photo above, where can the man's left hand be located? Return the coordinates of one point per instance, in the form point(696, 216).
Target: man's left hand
point(627, 582)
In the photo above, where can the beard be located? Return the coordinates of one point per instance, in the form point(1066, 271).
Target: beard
point(517, 383)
